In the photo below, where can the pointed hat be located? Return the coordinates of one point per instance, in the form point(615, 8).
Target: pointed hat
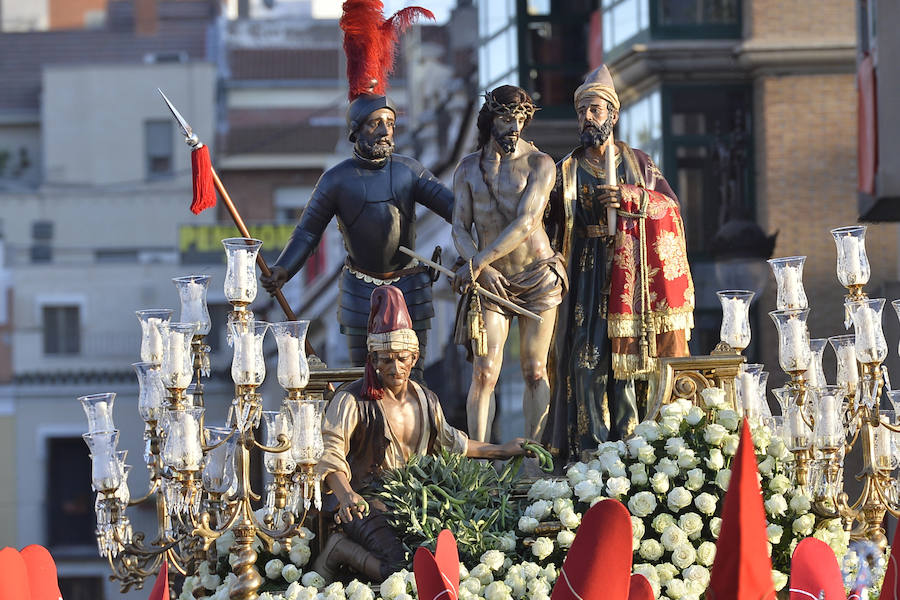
point(160, 589)
point(598, 565)
point(598, 83)
point(742, 569)
point(890, 588)
point(13, 576)
point(389, 328)
point(42, 577)
point(815, 570)
point(640, 588)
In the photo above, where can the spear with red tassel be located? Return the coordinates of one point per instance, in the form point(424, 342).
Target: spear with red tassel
point(206, 184)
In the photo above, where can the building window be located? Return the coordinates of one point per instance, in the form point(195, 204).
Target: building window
point(81, 588)
point(70, 501)
point(62, 329)
point(697, 12)
point(41, 241)
point(158, 147)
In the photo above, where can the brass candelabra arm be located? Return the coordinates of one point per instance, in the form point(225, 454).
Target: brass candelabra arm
point(224, 440)
point(284, 444)
point(154, 488)
point(210, 534)
point(889, 504)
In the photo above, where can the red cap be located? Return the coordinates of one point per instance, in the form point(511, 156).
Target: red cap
point(640, 588)
point(431, 583)
point(814, 569)
point(42, 577)
point(160, 589)
point(388, 310)
point(598, 565)
point(13, 576)
point(742, 569)
point(446, 554)
point(890, 587)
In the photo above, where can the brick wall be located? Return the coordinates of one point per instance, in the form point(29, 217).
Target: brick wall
point(253, 192)
point(806, 185)
point(820, 20)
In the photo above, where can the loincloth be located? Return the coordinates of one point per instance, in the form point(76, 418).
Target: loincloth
point(538, 288)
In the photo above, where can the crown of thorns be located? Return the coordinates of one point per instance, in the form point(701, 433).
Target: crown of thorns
point(512, 109)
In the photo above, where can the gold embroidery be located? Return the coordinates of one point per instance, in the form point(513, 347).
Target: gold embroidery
point(671, 253)
point(579, 314)
point(588, 356)
point(587, 260)
point(583, 425)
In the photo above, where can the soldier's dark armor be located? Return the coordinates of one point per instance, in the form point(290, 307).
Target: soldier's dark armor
point(375, 204)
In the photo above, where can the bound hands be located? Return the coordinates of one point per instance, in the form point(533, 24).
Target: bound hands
point(488, 278)
point(277, 278)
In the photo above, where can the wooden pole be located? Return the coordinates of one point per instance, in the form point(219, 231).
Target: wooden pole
point(498, 299)
point(263, 267)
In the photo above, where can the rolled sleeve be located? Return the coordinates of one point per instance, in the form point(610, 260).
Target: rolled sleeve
point(341, 419)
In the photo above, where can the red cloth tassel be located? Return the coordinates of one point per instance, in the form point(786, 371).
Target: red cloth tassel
point(371, 389)
point(204, 187)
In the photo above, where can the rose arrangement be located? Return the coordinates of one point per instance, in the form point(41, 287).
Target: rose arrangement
point(671, 474)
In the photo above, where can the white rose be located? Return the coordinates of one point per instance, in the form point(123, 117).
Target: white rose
point(803, 525)
point(560, 504)
point(634, 444)
point(299, 554)
point(638, 474)
point(684, 556)
point(290, 573)
point(687, 459)
point(665, 572)
point(723, 478)
point(587, 490)
point(672, 410)
point(766, 466)
point(575, 477)
point(779, 579)
point(608, 460)
point(800, 503)
point(470, 584)
point(696, 574)
point(659, 483)
point(678, 498)
point(527, 524)
point(730, 445)
point(713, 397)
point(642, 504)
point(667, 466)
point(714, 434)
point(482, 573)
point(617, 470)
point(637, 529)
point(395, 585)
point(706, 554)
point(647, 455)
point(715, 526)
point(673, 445)
point(224, 542)
point(211, 581)
point(539, 510)
point(715, 460)
point(780, 484)
point(777, 449)
point(728, 419)
point(493, 559)
point(669, 427)
point(691, 524)
point(675, 589)
point(336, 589)
point(549, 572)
point(651, 550)
point(569, 518)
point(497, 590)
point(565, 538)
point(312, 579)
point(273, 569)
point(706, 503)
point(542, 548)
point(695, 479)
point(617, 486)
point(649, 430)
point(538, 586)
point(662, 522)
point(516, 582)
point(694, 415)
point(776, 505)
point(774, 533)
point(673, 537)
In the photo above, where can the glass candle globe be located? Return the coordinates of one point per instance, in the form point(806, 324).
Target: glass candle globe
point(735, 330)
point(192, 291)
point(793, 339)
point(789, 279)
point(847, 368)
point(306, 445)
point(278, 423)
point(293, 369)
point(871, 346)
point(852, 262)
point(178, 364)
point(99, 411)
point(152, 320)
point(240, 274)
point(182, 449)
point(248, 365)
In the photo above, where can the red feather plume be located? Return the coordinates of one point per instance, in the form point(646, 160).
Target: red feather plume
point(370, 40)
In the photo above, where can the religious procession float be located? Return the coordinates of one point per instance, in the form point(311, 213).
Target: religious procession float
point(643, 472)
